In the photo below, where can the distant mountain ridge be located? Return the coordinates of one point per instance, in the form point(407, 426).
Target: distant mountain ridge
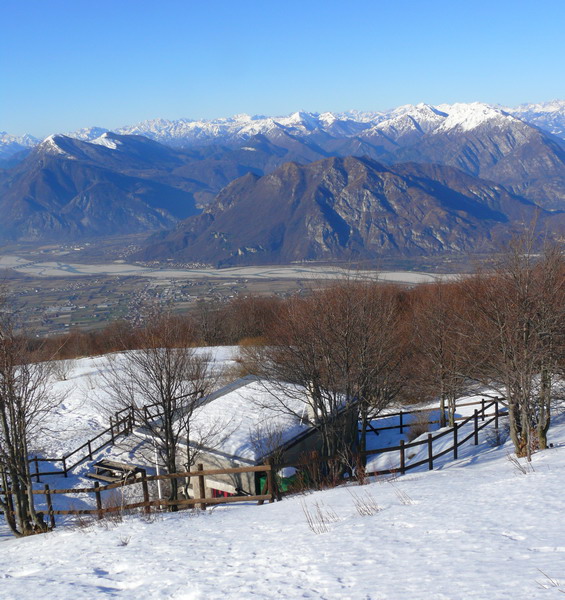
point(347, 209)
point(70, 189)
point(549, 116)
point(480, 139)
point(110, 183)
point(546, 115)
point(11, 145)
point(423, 117)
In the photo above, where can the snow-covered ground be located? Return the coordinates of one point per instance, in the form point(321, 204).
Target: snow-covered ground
point(86, 407)
point(475, 528)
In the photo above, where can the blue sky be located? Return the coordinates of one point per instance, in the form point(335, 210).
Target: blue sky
point(66, 64)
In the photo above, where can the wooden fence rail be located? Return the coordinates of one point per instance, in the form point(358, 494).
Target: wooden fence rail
point(478, 416)
point(119, 425)
point(482, 417)
point(402, 414)
point(142, 479)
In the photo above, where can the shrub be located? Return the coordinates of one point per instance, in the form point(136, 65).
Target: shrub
point(419, 425)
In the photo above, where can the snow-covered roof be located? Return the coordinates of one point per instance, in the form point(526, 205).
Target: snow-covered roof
point(243, 420)
point(249, 419)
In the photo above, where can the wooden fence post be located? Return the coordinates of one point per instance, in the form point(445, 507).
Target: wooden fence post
point(89, 450)
point(49, 506)
point(272, 481)
point(64, 459)
point(482, 409)
point(145, 487)
point(496, 413)
point(36, 469)
point(430, 452)
point(112, 429)
point(402, 458)
point(98, 500)
point(476, 418)
point(401, 423)
point(201, 487)
point(455, 441)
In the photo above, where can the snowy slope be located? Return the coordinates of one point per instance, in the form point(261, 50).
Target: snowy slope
point(477, 528)
point(86, 405)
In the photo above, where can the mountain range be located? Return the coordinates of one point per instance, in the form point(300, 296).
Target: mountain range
point(417, 179)
point(549, 116)
point(347, 209)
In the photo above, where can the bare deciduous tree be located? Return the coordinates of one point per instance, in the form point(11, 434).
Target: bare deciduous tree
point(444, 356)
point(342, 345)
point(163, 383)
point(519, 322)
point(381, 345)
point(25, 400)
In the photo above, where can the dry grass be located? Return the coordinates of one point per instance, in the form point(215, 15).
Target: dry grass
point(365, 503)
point(319, 518)
point(521, 467)
point(550, 582)
point(402, 495)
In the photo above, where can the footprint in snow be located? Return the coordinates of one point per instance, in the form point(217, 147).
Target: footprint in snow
point(513, 536)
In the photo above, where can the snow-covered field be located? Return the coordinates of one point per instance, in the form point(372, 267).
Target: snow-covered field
point(476, 528)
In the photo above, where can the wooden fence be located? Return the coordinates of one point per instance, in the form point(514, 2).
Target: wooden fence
point(404, 424)
point(143, 480)
point(480, 419)
point(122, 423)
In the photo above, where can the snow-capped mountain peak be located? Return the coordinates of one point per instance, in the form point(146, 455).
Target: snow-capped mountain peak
point(546, 115)
point(327, 118)
point(301, 120)
point(403, 122)
point(468, 116)
point(87, 134)
point(244, 118)
point(24, 140)
point(421, 118)
point(553, 106)
point(52, 145)
point(12, 144)
point(107, 140)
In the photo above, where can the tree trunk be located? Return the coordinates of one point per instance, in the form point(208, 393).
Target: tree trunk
point(544, 416)
point(517, 434)
point(442, 410)
point(451, 408)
